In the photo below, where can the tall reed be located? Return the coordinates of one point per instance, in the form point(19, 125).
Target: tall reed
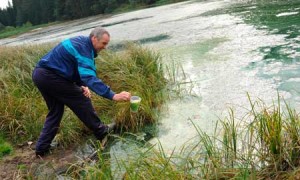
point(139, 71)
point(263, 144)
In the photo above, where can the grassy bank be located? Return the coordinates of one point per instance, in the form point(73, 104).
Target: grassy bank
point(262, 145)
point(23, 111)
point(140, 72)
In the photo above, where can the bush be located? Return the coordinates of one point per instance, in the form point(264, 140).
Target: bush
point(9, 28)
point(27, 24)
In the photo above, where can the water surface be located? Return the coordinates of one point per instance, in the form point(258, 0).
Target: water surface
point(227, 48)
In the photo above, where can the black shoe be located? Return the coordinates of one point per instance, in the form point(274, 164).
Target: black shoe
point(111, 127)
point(42, 153)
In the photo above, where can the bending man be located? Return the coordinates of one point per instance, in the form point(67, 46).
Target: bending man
point(64, 77)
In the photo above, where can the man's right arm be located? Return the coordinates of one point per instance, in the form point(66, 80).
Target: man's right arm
point(103, 90)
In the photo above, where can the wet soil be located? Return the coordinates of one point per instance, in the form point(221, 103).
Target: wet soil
point(23, 163)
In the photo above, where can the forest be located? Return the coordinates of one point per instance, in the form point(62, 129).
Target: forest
point(35, 12)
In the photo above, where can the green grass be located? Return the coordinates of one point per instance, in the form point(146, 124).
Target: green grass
point(5, 147)
point(14, 31)
point(143, 76)
point(264, 144)
point(22, 109)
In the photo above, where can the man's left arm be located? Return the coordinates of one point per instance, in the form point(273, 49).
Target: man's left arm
point(98, 86)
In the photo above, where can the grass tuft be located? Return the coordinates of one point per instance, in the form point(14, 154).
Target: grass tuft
point(5, 147)
point(23, 110)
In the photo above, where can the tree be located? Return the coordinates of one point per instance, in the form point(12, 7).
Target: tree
point(1, 25)
point(47, 11)
point(7, 16)
point(86, 7)
point(11, 15)
point(59, 7)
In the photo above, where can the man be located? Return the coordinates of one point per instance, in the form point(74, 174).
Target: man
point(64, 77)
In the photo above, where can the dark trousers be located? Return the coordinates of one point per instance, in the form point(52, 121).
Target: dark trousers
point(58, 92)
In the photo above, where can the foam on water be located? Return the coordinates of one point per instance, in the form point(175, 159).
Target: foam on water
point(286, 14)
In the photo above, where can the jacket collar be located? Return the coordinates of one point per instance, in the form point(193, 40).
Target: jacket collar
point(94, 50)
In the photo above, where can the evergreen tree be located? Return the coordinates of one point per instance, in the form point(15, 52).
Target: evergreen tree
point(19, 12)
point(1, 25)
point(34, 14)
point(26, 7)
point(86, 7)
point(8, 16)
point(59, 8)
point(11, 15)
point(47, 11)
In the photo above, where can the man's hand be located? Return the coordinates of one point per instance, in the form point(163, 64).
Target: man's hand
point(122, 96)
point(86, 91)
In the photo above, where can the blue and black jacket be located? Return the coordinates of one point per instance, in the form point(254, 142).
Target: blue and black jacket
point(73, 59)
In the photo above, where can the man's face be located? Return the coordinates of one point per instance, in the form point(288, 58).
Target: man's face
point(100, 44)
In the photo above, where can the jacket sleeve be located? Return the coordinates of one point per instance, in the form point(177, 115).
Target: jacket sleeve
point(88, 75)
point(97, 86)
point(87, 72)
